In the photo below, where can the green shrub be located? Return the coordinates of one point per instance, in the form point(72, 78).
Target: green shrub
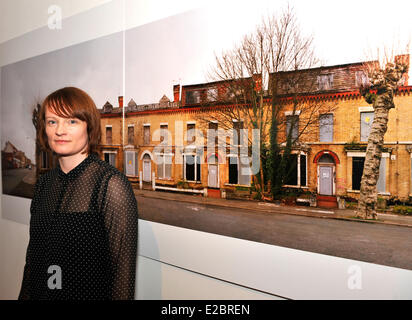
point(401, 209)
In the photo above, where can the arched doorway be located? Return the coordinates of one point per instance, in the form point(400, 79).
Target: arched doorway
point(326, 175)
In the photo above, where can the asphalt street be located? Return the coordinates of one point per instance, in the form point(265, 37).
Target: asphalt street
point(375, 243)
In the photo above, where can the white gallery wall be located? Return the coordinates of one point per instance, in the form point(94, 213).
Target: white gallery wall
point(175, 263)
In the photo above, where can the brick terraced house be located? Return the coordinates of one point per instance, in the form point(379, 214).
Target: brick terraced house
point(329, 158)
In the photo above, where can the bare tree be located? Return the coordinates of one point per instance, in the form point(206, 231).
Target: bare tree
point(385, 78)
point(240, 75)
point(258, 80)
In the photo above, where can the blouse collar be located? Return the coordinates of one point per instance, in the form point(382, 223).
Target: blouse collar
point(78, 169)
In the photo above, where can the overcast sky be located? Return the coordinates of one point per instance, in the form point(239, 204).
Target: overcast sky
point(180, 49)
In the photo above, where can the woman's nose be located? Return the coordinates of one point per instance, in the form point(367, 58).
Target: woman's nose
point(60, 128)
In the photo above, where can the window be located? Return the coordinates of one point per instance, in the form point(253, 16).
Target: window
point(110, 158)
point(237, 131)
point(190, 133)
point(296, 171)
point(292, 123)
point(234, 93)
point(192, 168)
point(357, 172)
point(361, 78)
point(326, 127)
point(366, 123)
point(233, 170)
point(164, 134)
point(130, 134)
point(130, 163)
point(325, 81)
point(109, 135)
point(381, 183)
point(239, 171)
point(192, 97)
point(146, 135)
point(211, 94)
point(164, 166)
point(212, 134)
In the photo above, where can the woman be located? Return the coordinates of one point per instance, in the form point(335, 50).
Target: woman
point(83, 227)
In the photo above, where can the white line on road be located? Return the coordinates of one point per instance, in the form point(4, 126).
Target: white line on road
point(317, 211)
point(268, 204)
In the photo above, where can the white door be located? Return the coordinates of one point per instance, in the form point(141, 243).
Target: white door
point(147, 169)
point(326, 180)
point(213, 176)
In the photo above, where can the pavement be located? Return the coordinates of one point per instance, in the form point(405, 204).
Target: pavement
point(341, 214)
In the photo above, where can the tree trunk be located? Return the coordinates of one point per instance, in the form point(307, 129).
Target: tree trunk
point(385, 81)
point(368, 192)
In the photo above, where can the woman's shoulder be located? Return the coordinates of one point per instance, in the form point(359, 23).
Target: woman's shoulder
point(107, 169)
point(111, 177)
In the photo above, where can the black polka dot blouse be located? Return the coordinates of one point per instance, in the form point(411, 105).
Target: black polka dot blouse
point(83, 235)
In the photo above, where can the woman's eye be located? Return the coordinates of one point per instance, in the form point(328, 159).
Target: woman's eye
point(51, 122)
point(72, 121)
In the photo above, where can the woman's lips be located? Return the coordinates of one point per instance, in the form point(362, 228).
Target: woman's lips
point(61, 141)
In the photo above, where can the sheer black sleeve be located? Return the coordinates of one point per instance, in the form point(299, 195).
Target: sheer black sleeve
point(121, 219)
point(25, 286)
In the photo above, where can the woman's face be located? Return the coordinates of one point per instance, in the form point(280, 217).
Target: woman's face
point(66, 136)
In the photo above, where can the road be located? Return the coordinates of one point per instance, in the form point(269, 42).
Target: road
point(376, 243)
point(19, 182)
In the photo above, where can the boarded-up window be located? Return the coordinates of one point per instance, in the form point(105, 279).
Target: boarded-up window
point(361, 78)
point(292, 125)
point(381, 184)
point(109, 135)
point(237, 131)
point(168, 167)
point(164, 133)
point(130, 135)
point(160, 166)
point(131, 163)
point(357, 171)
point(191, 136)
point(244, 171)
point(164, 166)
point(212, 94)
point(366, 123)
point(326, 128)
point(212, 134)
point(325, 81)
point(146, 135)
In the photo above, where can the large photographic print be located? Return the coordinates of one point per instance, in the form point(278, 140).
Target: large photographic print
point(253, 123)
point(94, 66)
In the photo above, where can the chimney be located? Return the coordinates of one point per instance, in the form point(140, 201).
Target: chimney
point(404, 58)
point(176, 93)
point(120, 101)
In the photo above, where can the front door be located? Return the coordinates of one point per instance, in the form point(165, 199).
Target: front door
point(147, 170)
point(326, 180)
point(213, 176)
